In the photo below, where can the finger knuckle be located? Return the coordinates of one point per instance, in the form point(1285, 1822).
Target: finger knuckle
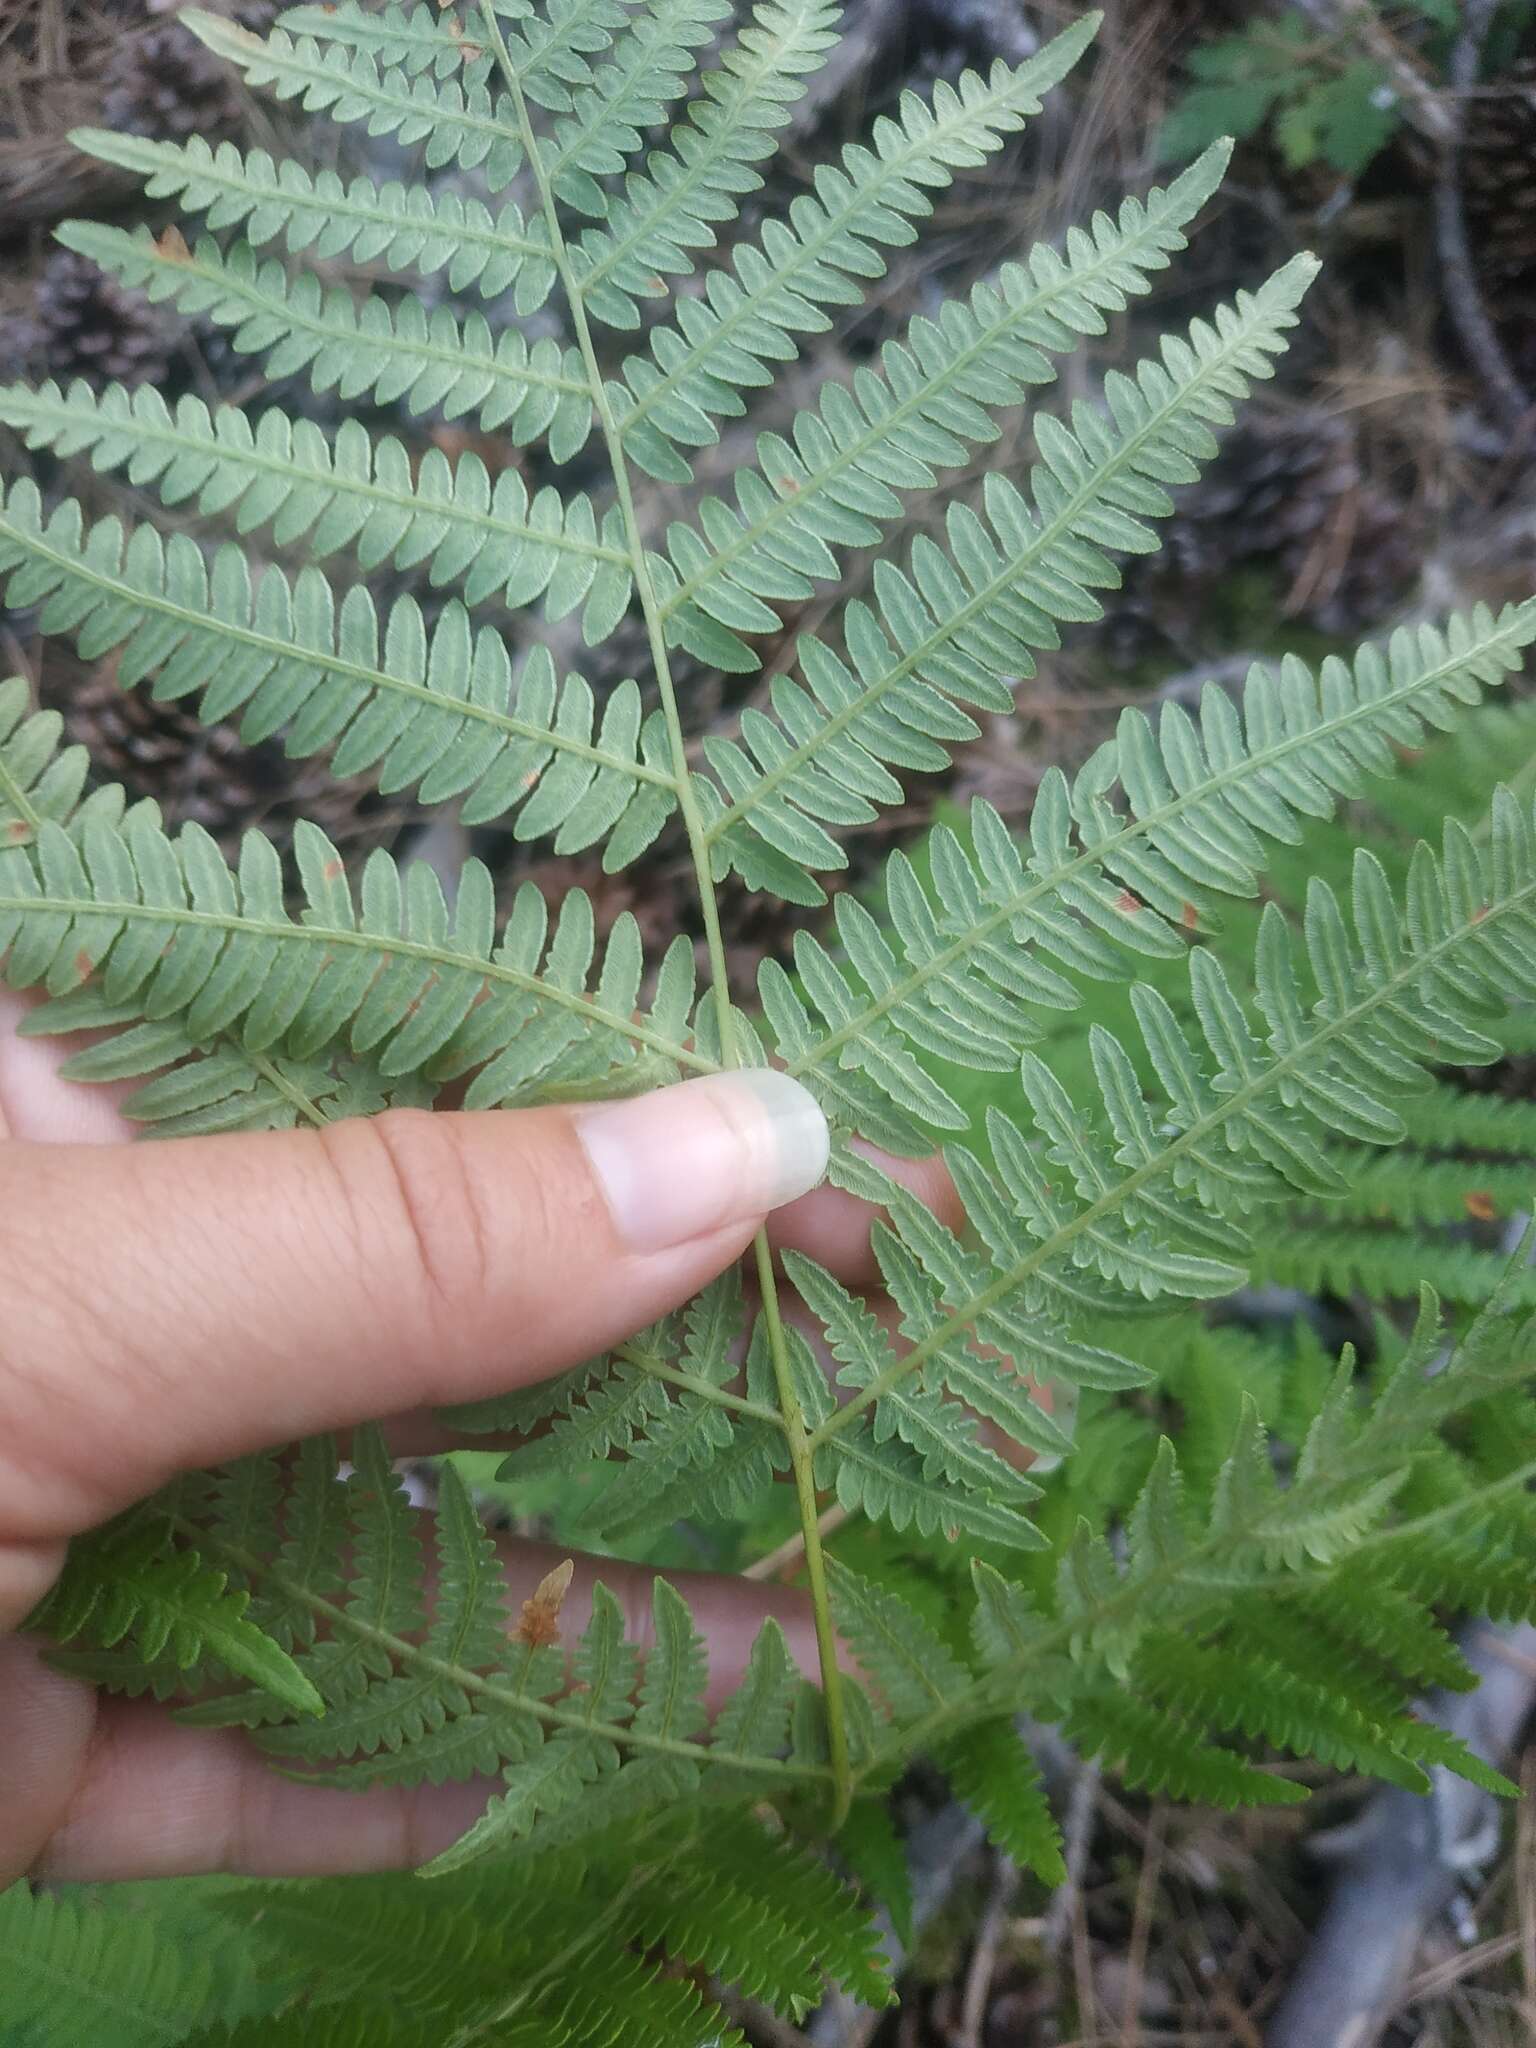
point(427, 1204)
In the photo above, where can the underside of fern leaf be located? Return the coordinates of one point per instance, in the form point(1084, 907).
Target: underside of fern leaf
point(551, 274)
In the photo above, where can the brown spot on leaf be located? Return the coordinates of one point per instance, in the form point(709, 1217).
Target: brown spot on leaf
point(332, 871)
point(1129, 903)
point(530, 780)
point(84, 965)
point(786, 483)
point(1480, 914)
point(171, 243)
point(18, 832)
point(1479, 1205)
point(1189, 917)
point(539, 1623)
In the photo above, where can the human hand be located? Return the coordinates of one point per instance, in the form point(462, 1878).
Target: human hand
point(167, 1306)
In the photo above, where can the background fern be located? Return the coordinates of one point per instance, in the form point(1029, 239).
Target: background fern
point(1154, 1080)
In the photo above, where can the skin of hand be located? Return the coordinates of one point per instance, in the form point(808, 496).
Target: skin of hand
point(171, 1305)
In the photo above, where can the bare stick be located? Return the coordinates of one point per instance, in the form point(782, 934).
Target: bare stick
point(790, 1552)
point(1422, 105)
point(983, 1966)
point(1411, 1856)
point(1463, 300)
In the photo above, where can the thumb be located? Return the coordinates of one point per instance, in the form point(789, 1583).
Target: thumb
point(179, 1304)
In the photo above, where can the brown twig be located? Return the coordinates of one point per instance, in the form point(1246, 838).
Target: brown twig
point(1147, 1881)
point(1525, 1887)
point(983, 1964)
point(792, 1549)
point(1463, 300)
point(1066, 1921)
point(1423, 106)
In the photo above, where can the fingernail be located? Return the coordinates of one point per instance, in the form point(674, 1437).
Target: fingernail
point(690, 1159)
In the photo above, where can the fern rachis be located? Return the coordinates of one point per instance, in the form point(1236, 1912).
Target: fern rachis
point(244, 995)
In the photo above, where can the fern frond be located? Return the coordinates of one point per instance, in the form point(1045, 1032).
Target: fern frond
point(439, 709)
point(1258, 1697)
point(1411, 1187)
point(553, 42)
point(315, 212)
point(909, 1665)
point(454, 114)
point(694, 373)
point(933, 396)
point(77, 1971)
point(348, 491)
point(499, 1945)
point(418, 1690)
point(118, 1587)
point(174, 932)
point(1100, 878)
point(960, 625)
point(648, 70)
point(1381, 1265)
point(395, 354)
point(1160, 1752)
point(1178, 1617)
point(699, 179)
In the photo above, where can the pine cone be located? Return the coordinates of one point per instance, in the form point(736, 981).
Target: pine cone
point(85, 324)
point(167, 84)
point(1287, 490)
point(206, 775)
point(1498, 179)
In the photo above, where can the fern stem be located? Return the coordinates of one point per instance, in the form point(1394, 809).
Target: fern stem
point(792, 1419)
point(693, 822)
point(701, 1390)
point(290, 1090)
point(802, 1464)
point(1413, 973)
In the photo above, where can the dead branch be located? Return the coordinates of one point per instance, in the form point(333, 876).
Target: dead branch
point(1410, 1858)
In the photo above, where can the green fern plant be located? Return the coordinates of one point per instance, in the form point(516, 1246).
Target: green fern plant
point(280, 1598)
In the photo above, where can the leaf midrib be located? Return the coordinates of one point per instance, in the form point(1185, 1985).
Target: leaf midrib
point(663, 203)
point(234, 923)
point(192, 172)
point(225, 280)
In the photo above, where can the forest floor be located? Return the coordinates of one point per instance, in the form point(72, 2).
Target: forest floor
point(1390, 471)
